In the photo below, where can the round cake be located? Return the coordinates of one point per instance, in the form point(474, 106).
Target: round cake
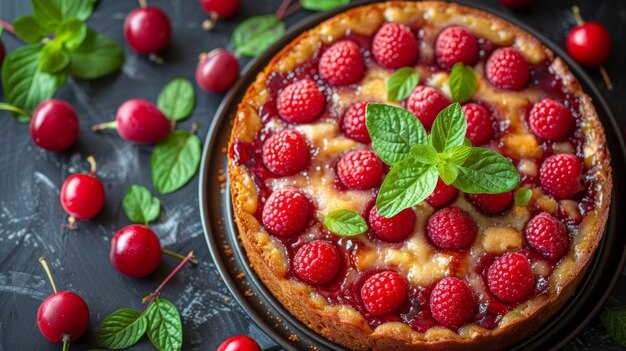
point(475, 265)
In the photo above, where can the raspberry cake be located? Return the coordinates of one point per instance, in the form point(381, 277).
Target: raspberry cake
point(456, 271)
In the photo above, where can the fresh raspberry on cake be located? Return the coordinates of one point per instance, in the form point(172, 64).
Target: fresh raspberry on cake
point(395, 46)
point(384, 292)
point(560, 176)
point(286, 153)
point(286, 212)
point(479, 124)
point(353, 124)
point(317, 262)
point(394, 229)
point(507, 69)
point(510, 278)
point(452, 302)
point(451, 229)
point(443, 194)
point(342, 63)
point(456, 44)
point(426, 102)
point(546, 235)
point(360, 169)
point(301, 102)
point(492, 204)
point(550, 120)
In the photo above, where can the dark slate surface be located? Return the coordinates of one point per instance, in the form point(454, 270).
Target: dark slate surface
point(30, 213)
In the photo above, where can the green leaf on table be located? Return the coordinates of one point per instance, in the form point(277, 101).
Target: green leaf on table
point(462, 82)
point(48, 13)
point(486, 172)
point(53, 57)
point(71, 33)
point(345, 223)
point(425, 154)
point(80, 9)
point(96, 57)
point(29, 30)
point(121, 329)
point(449, 128)
point(1, 31)
point(522, 196)
point(252, 36)
point(322, 5)
point(165, 329)
point(614, 320)
point(140, 206)
point(402, 83)
point(177, 99)
point(175, 161)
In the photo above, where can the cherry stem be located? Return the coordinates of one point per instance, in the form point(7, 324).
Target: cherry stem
point(209, 24)
point(92, 165)
point(104, 126)
point(71, 224)
point(577, 16)
point(150, 298)
point(193, 261)
point(281, 9)
point(293, 8)
point(9, 107)
point(7, 26)
point(46, 268)
point(66, 342)
point(143, 3)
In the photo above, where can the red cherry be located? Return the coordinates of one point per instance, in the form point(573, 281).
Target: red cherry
point(138, 121)
point(63, 317)
point(217, 71)
point(222, 8)
point(239, 343)
point(135, 251)
point(147, 30)
point(517, 4)
point(2, 52)
point(589, 44)
point(82, 195)
point(54, 125)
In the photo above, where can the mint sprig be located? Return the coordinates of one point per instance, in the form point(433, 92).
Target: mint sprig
point(345, 223)
point(462, 82)
point(402, 83)
point(418, 160)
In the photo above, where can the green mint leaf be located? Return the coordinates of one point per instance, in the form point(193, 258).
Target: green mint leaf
point(462, 82)
point(140, 206)
point(408, 183)
point(121, 329)
point(467, 142)
point(71, 33)
point(394, 131)
point(449, 128)
point(459, 154)
point(614, 320)
point(522, 196)
point(53, 57)
point(402, 83)
point(345, 223)
point(175, 161)
point(486, 172)
point(80, 9)
point(425, 154)
point(96, 57)
point(447, 172)
point(177, 99)
point(48, 14)
point(165, 329)
point(252, 36)
point(24, 84)
point(29, 30)
point(322, 5)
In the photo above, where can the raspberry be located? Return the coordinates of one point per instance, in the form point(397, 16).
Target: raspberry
point(560, 176)
point(394, 229)
point(360, 169)
point(451, 229)
point(354, 123)
point(443, 194)
point(550, 120)
point(546, 235)
point(286, 212)
point(384, 292)
point(317, 262)
point(456, 44)
point(395, 46)
point(286, 153)
point(301, 102)
point(426, 102)
point(492, 204)
point(510, 278)
point(342, 63)
point(452, 302)
point(507, 69)
point(479, 124)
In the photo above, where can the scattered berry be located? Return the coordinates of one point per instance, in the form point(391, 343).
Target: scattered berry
point(492, 204)
point(589, 44)
point(222, 8)
point(550, 120)
point(546, 235)
point(82, 195)
point(317, 262)
point(135, 251)
point(479, 124)
point(54, 125)
point(395, 46)
point(507, 69)
point(286, 212)
point(342, 63)
point(510, 278)
point(360, 169)
point(239, 342)
point(452, 302)
point(456, 44)
point(301, 102)
point(384, 292)
point(560, 176)
point(147, 30)
point(426, 102)
point(517, 4)
point(443, 194)
point(451, 229)
point(354, 123)
point(394, 229)
point(217, 71)
point(138, 121)
point(286, 153)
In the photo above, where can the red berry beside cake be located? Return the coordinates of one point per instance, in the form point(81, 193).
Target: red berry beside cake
point(462, 269)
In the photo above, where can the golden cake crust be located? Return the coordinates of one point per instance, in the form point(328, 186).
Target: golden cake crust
point(341, 323)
